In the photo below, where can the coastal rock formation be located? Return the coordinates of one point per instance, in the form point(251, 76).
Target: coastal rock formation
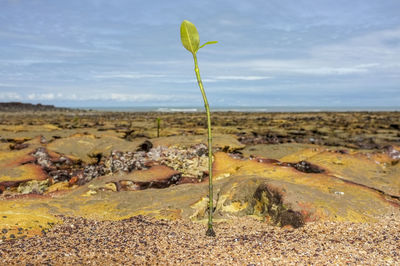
point(274, 191)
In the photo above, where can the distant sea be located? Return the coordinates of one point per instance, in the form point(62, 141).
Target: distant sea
point(273, 109)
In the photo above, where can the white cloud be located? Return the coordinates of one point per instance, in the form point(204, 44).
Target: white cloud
point(221, 78)
point(241, 77)
point(56, 48)
point(9, 85)
point(29, 62)
point(126, 75)
point(306, 67)
point(123, 97)
point(44, 96)
point(117, 97)
point(136, 97)
point(9, 96)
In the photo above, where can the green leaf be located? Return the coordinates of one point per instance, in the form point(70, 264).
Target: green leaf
point(189, 36)
point(207, 43)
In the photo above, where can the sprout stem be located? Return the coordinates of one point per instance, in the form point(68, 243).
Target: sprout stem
point(158, 127)
point(210, 230)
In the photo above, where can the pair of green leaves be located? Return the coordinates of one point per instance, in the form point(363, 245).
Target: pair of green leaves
point(190, 37)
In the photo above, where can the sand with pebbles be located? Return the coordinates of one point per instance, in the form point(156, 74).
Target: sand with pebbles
point(242, 241)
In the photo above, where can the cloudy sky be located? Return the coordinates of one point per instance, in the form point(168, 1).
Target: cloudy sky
point(269, 53)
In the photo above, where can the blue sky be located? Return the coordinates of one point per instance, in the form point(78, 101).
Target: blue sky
point(270, 53)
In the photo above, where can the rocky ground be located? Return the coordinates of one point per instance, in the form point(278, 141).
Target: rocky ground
point(360, 130)
point(333, 176)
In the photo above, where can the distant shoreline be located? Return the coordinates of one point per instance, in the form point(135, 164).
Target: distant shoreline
point(18, 106)
point(29, 107)
point(277, 109)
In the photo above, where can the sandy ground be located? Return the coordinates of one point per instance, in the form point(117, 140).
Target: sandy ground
point(243, 241)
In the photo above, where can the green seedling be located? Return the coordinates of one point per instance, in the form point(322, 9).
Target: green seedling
point(76, 121)
point(191, 41)
point(158, 127)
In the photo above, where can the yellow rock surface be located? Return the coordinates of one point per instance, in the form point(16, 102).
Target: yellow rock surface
point(21, 218)
point(277, 151)
point(60, 186)
point(269, 191)
point(372, 170)
point(321, 194)
point(28, 128)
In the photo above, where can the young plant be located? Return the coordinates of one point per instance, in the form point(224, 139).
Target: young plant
point(158, 127)
point(191, 41)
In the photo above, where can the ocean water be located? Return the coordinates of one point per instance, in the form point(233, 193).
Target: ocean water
point(288, 109)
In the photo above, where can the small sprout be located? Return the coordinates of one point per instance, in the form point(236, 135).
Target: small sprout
point(158, 127)
point(191, 41)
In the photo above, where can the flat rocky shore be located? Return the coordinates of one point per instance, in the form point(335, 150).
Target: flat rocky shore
point(241, 241)
point(88, 187)
point(359, 130)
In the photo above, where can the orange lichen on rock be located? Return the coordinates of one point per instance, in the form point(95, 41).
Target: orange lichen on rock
point(155, 173)
point(15, 165)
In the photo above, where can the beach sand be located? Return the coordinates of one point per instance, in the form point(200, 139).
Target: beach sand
point(242, 241)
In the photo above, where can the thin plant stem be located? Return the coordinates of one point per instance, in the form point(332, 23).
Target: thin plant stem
point(210, 230)
point(158, 127)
